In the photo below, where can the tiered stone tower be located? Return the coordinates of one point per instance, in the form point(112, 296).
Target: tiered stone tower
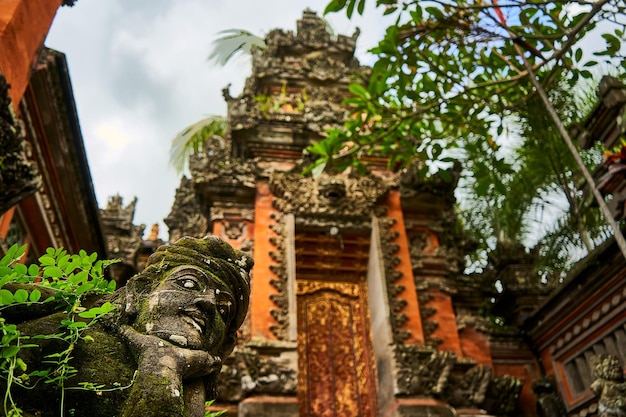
point(352, 307)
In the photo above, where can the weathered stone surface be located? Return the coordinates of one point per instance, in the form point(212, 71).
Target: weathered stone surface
point(609, 385)
point(18, 176)
point(172, 326)
point(548, 402)
point(123, 238)
point(269, 406)
point(430, 373)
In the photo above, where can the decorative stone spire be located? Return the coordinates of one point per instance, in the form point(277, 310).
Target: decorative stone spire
point(123, 238)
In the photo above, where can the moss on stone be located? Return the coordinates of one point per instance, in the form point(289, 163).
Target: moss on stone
point(151, 396)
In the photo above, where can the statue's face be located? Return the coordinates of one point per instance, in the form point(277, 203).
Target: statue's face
point(189, 309)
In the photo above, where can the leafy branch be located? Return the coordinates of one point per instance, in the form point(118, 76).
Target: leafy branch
point(66, 280)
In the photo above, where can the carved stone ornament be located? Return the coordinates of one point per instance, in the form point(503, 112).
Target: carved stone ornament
point(186, 217)
point(215, 165)
point(299, 57)
point(609, 385)
point(279, 268)
point(247, 372)
point(124, 239)
point(427, 372)
point(390, 248)
point(423, 371)
point(338, 196)
point(18, 176)
point(548, 402)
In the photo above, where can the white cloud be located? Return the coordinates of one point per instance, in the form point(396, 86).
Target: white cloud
point(114, 140)
point(140, 74)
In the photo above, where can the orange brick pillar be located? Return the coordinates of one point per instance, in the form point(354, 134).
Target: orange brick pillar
point(24, 25)
point(261, 288)
point(409, 295)
point(444, 316)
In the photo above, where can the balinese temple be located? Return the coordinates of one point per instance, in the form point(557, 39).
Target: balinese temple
point(359, 306)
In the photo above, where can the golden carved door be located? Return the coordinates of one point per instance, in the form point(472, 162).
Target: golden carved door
point(336, 372)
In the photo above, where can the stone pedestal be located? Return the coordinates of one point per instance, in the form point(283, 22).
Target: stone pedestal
point(419, 407)
point(269, 406)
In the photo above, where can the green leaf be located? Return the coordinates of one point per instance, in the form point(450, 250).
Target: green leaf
point(63, 261)
point(335, 6)
point(20, 296)
point(52, 272)
point(40, 374)
point(6, 297)
point(84, 288)
point(46, 260)
point(350, 8)
point(33, 270)
point(35, 295)
point(80, 277)
point(7, 278)
point(20, 269)
point(359, 90)
point(20, 364)
point(613, 44)
point(9, 351)
point(578, 54)
point(361, 7)
point(88, 314)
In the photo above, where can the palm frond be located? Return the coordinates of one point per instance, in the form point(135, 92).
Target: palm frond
point(234, 41)
point(191, 139)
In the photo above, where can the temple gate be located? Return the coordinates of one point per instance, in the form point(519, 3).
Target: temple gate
point(356, 276)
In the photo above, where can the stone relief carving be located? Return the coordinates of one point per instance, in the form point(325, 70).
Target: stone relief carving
point(412, 182)
point(186, 217)
point(300, 56)
point(338, 196)
point(502, 395)
point(247, 372)
point(123, 238)
point(390, 248)
point(19, 177)
point(216, 164)
point(427, 372)
point(548, 402)
point(281, 313)
point(609, 385)
point(422, 371)
point(235, 222)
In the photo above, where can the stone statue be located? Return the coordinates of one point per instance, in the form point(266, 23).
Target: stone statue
point(609, 384)
point(548, 402)
point(172, 326)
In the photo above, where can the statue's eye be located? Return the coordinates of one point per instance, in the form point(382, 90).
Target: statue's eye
point(189, 283)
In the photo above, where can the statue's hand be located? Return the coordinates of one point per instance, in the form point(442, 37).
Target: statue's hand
point(159, 357)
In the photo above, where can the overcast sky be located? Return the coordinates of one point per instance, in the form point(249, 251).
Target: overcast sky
point(140, 75)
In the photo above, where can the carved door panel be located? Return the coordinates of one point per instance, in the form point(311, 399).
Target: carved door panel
point(336, 373)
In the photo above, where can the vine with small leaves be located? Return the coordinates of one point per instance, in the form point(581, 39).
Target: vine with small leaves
point(68, 279)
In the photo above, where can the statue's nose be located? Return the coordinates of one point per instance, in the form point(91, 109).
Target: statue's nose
point(205, 301)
